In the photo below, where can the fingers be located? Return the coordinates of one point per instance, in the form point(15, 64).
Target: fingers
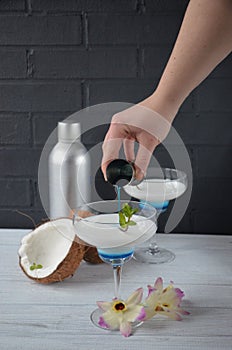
point(147, 144)
point(110, 149)
point(111, 145)
point(128, 145)
point(122, 131)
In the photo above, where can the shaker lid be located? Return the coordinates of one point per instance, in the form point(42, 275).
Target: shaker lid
point(68, 131)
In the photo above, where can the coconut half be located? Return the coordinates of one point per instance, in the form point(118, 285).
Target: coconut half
point(55, 247)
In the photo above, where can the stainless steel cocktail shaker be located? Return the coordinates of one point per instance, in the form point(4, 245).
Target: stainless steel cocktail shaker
point(69, 171)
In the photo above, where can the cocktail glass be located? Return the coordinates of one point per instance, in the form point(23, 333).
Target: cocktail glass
point(115, 246)
point(160, 186)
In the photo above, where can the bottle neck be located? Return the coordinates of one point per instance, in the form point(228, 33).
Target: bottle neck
point(78, 140)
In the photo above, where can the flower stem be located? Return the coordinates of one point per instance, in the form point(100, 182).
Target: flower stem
point(117, 269)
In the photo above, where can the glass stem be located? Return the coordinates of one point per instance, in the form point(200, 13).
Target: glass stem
point(117, 279)
point(153, 247)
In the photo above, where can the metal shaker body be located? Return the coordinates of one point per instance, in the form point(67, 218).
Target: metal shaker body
point(69, 173)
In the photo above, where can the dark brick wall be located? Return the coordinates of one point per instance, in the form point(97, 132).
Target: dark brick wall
point(58, 56)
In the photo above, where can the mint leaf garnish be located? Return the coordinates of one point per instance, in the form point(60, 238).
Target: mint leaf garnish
point(131, 223)
point(36, 267)
point(125, 216)
point(122, 219)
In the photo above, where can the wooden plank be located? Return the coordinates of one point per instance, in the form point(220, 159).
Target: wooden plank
point(114, 342)
point(34, 316)
point(190, 266)
point(49, 320)
point(82, 293)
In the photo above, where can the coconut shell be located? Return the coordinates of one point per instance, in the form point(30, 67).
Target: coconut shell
point(91, 256)
point(66, 268)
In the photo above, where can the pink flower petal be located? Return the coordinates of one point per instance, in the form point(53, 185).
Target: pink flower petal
point(102, 323)
point(177, 317)
point(125, 329)
point(159, 283)
point(150, 289)
point(183, 312)
point(179, 293)
point(142, 315)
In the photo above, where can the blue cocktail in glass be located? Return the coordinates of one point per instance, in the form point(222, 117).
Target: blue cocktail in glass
point(97, 224)
point(160, 186)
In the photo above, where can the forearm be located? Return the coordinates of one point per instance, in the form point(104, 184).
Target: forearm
point(204, 40)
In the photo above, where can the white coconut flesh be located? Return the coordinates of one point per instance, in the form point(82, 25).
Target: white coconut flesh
point(47, 245)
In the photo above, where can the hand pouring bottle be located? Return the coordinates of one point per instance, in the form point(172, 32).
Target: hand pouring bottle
point(69, 172)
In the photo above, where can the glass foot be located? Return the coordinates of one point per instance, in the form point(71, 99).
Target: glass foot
point(153, 256)
point(96, 314)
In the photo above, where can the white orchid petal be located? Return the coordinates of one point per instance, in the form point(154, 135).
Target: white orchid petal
point(150, 312)
point(132, 313)
point(125, 329)
point(113, 319)
point(171, 314)
point(104, 305)
point(135, 298)
point(152, 299)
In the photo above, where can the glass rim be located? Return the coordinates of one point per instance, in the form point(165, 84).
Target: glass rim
point(181, 176)
point(86, 219)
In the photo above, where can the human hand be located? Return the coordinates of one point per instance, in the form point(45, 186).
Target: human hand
point(136, 124)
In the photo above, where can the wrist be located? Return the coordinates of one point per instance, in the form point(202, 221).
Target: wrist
point(166, 106)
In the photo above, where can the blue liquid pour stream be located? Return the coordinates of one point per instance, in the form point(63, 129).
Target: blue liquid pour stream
point(118, 191)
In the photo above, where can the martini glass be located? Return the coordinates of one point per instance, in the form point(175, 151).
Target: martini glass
point(115, 246)
point(160, 186)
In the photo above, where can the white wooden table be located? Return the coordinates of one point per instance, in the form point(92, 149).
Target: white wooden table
point(37, 317)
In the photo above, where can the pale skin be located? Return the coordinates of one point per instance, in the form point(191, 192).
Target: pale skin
point(204, 40)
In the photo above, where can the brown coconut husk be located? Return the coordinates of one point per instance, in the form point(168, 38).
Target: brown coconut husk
point(91, 256)
point(77, 252)
point(66, 268)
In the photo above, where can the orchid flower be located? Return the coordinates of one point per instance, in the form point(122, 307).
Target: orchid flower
point(120, 314)
point(164, 301)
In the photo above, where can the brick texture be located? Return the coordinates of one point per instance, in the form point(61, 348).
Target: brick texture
point(13, 64)
point(19, 162)
point(166, 5)
point(40, 96)
point(115, 90)
point(215, 95)
point(108, 29)
point(44, 124)
point(154, 60)
point(215, 162)
point(15, 129)
point(12, 5)
point(15, 193)
point(59, 56)
point(83, 5)
point(94, 63)
point(40, 30)
point(208, 128)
